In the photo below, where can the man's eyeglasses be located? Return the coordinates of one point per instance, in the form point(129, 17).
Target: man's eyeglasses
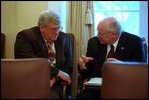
point(56, 29)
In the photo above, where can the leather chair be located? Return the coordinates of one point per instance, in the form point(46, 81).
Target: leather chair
point(2, 44)
point(124, 80)
point(25, 79)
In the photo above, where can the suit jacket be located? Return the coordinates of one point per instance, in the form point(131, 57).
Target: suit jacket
point(30, 44)
point(129, 48)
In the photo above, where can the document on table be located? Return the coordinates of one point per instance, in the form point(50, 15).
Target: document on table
point(96, 81)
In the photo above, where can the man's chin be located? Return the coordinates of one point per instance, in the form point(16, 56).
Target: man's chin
point(102, 42)
point(54, 39)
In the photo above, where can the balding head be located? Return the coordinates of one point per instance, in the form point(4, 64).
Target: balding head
point(110, 24)
point(109, 30)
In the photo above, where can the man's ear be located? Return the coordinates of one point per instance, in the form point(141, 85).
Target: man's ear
point(42, 27)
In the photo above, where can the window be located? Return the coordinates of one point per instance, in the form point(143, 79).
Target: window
point(133, 15)
point(59, 7)
point(126, 12)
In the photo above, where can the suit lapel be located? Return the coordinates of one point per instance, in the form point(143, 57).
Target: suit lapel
point(58, 48)
point(120, 46)
point(42, 43)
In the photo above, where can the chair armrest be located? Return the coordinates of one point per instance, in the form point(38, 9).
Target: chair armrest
point(64, 86)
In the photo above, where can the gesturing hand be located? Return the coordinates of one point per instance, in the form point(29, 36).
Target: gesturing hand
point(83, 60)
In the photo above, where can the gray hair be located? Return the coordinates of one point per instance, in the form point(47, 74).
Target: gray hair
point(113, 26)
point(47, 17)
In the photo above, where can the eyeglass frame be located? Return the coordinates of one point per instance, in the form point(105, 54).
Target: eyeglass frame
point(56, 29)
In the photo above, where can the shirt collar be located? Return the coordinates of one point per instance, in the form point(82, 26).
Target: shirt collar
point(116, 42)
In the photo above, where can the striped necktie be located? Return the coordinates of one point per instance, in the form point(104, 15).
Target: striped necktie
point(51, 52)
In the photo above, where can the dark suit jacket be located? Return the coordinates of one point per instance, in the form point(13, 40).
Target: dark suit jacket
point(129, 48)
point(30, 44)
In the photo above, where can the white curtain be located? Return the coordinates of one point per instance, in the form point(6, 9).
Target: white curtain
point(80, 23)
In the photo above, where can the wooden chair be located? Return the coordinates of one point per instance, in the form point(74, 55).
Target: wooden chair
point(124, 80)
point(25, 79)
point(64, 84)
point(2, 45)
point(145, 48)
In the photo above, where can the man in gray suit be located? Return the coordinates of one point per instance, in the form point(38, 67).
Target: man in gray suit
point(127, 47)
point(34, 43)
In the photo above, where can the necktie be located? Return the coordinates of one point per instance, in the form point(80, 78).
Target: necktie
point(111, 52)
point(51, 52)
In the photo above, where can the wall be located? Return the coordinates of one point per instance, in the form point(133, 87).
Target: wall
point(16, 16)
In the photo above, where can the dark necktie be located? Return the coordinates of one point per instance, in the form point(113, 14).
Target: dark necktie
point(111, 52)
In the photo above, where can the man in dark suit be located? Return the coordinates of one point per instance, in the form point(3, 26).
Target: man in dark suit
point(35, 42)
point(127, 47)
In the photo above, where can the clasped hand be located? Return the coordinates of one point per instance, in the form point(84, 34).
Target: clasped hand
point(62, 75)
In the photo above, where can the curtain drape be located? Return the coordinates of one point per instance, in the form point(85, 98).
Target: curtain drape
point(80, 23)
